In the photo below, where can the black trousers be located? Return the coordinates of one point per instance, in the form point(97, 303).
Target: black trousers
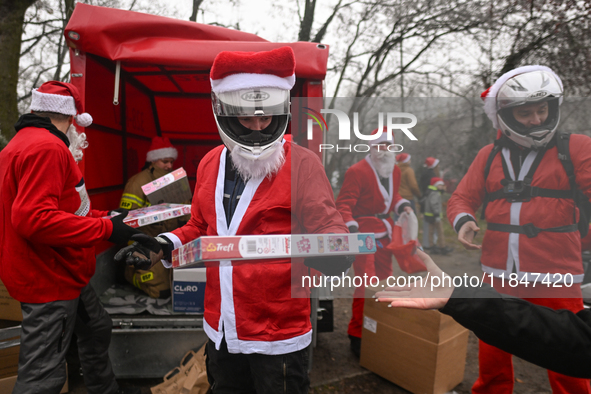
point(46, 333)
point(256, 373)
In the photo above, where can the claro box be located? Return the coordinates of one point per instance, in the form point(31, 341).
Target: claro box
point(170, 188)
point(155, 213)
point(188, 290)
point(10, 309)
point(421, 351)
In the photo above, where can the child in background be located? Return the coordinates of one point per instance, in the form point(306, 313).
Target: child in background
point(433, 213)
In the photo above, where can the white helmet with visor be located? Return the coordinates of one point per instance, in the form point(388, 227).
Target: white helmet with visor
point(525, 86)
point(252, 84)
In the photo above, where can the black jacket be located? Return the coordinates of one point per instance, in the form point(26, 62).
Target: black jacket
point(558, 340)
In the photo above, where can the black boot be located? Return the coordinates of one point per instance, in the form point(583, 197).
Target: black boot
point(355, 345)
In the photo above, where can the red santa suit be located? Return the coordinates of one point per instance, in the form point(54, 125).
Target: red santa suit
point(361, 200)
point(252, 305)
point(547, 256)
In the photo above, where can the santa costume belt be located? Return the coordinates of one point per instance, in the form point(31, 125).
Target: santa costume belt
point(529, 229)
point(377, 215)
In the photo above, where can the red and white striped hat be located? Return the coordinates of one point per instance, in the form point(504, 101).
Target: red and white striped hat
point(233, 71)
point(403, 158)
point(62, 98)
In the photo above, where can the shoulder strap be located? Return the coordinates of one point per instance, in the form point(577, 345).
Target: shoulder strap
point(563, 146)
point(495, 150)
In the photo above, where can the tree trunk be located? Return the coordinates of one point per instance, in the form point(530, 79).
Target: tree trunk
point(196, 5)
point(12, 15)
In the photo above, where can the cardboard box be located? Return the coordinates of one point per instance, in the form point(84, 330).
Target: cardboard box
point(188, 290)
point(10, 309)
point(155, 213)
point(7, 384)
point(170, 188)
point(257, 247)
point(421, 351)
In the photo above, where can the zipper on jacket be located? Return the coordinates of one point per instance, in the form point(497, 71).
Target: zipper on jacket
point(61, 340)
point(284, 376)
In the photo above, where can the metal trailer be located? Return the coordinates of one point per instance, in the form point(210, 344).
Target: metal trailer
point(141, 76)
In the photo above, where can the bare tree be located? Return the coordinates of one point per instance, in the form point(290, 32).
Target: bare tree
point(196, 5)
point(12, 14)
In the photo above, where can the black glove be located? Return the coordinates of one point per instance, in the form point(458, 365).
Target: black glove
point(119, 210)
point(330, 265)
point(121, 231)
point(353, 229)
point(146, 251)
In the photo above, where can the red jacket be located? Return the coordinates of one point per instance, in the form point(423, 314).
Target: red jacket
point(47, 236)
point(548, 252)
point(362, 196)
point(252, 304)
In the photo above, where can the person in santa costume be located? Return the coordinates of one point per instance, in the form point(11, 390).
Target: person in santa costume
point(430, 170)
point(256, 183)
point(532, 230)
point(47, 245)
point(368, 195)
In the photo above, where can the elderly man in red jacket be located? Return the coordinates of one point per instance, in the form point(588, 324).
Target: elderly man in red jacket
point(46, 245)
point(368, 195)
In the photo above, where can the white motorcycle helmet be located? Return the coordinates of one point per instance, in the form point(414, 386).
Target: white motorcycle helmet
point(252, 85)
point(522, 86)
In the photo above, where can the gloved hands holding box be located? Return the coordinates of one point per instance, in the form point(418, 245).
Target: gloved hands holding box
point(145, 251)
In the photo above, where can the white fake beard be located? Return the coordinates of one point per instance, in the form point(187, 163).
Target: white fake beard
point(77, 142)
point(251, 168)
point(383, 161)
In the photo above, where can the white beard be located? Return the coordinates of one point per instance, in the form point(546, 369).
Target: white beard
point(383, 161)
point(249, 168)
point(77, 142)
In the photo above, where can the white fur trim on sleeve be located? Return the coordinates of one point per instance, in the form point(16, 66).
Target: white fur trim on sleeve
point(241, 81)
point(459, 216)
point(163, 153)
point(490, 101)
point(352, 223)
point(399, 203)
point(177, 244)
point(47, 102)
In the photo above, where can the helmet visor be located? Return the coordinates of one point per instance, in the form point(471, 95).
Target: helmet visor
point(251, 102)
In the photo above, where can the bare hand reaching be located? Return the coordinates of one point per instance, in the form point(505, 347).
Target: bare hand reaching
point(417, 296)
point(466, 235)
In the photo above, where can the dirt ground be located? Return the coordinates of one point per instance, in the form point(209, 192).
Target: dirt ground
point(336, 370)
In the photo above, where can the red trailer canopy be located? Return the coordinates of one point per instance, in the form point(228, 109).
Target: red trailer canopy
point(163, 89)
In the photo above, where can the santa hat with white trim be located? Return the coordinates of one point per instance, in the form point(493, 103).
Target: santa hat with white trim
point(403, 158)
point(489, 96)
point(233, 71)
point(161, 148)
point(62, 98)
point(431, 162)
point(435, 181)
point(383, 138)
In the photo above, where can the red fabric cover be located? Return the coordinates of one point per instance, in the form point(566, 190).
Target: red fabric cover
point(141, 38)
point(405, 254)
point(266, 311)
point(360, 195)
point(279, 62)
point(46, 251)
point(548, 252)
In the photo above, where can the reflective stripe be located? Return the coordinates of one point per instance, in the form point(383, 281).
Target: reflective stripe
point(133, 199)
